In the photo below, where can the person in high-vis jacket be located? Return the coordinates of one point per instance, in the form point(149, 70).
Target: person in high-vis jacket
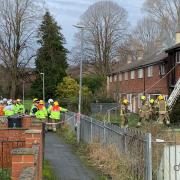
point(34, 107)
point(55, 113)
point(1, 108)
point(143, 111)
point(9, 109)
point(124, 113)
point(163, 111)
point(15, 106)
point(49, 105)
point(41, 112)
point(20, 107)
point(153, 109)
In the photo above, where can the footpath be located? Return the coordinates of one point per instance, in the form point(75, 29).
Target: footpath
point(64, 163)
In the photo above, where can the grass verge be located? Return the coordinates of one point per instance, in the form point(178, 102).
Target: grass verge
point(115, 118)
point(48, 173)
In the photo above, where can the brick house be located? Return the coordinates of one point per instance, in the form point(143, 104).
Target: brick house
point(151, 76)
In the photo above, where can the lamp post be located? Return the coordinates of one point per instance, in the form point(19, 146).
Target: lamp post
point(43, 87)
point(23, 92)
point(81, 27)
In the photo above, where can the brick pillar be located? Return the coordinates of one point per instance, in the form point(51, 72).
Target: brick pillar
point(26, 122)
point(35, 136)
point(21, 158)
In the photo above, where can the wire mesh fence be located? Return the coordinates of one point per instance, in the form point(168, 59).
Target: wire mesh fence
point(132, 143)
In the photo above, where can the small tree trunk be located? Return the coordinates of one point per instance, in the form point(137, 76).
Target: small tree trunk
point(13, 85)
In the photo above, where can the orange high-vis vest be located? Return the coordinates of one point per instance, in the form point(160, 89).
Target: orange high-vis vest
point(1, 110)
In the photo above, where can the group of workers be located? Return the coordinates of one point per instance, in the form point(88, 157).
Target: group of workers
point(9, 107)
point(152, 110)
point(50, 112)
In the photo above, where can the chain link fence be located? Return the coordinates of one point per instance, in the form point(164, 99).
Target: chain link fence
point(132, 143)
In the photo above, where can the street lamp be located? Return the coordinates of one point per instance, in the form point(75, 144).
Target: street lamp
point(43, 87)
point(81, 27)
point(23, 92)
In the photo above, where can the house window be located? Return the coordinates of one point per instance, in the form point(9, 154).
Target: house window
point(178, 57)
point(120, 77)
point(110, 79)
point(162, 69)
point(150, 71)
point(140, 73)
point(126, 76)
point(115, 78)
point(132, 74)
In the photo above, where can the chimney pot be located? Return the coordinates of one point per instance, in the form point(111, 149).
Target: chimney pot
point(129, 59)
point(140, 54)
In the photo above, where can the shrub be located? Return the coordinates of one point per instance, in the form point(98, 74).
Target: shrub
point(175, 114)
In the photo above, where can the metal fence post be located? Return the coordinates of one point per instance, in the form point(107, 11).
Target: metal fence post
point(148, 157)
point(91, 138)
point(125, 141)
point(104, 133)
point(78, 127)
point(109, 116)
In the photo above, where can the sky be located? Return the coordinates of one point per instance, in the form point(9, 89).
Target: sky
point(68, 12)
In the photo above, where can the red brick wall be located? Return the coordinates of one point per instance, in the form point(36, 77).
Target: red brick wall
point(19, 162)
point(136, 85)
point(12, 134)
point(29, 137)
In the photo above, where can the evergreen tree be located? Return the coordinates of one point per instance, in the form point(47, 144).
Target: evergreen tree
point(51, 57)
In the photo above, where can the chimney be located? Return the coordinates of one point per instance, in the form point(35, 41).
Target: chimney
point(129, 59)
point(178, 28)
point(140, 54)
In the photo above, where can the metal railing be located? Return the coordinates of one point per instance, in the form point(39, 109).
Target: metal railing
point(6, 147)
point(133, 143)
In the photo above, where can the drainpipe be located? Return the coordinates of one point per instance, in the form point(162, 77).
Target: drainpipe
point(144, 76)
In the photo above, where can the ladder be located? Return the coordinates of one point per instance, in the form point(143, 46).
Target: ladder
point(174, 95)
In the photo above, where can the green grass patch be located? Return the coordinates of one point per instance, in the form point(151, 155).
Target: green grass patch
point(116, 119)
point(5, 174)
point(48, 173)
point(27, 104)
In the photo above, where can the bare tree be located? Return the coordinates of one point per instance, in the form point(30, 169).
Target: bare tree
point(106, 28)
point(166, 13)
point(147, 34)
point(17, 34)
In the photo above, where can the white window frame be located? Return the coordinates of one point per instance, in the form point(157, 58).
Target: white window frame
point(150, 71)
point(133, 74)
point(140, 73)
point(178, 57)
point(126, 76)
point(120, 77)
point(162, 69)
point(110, 79)
point(115, 78)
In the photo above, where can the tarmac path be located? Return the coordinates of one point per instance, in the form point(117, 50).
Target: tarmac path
point(65, 164)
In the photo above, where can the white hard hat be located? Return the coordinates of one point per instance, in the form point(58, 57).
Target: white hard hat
point(50, 101)
point(4, 100)
point(1, 102)
point(9, 102)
